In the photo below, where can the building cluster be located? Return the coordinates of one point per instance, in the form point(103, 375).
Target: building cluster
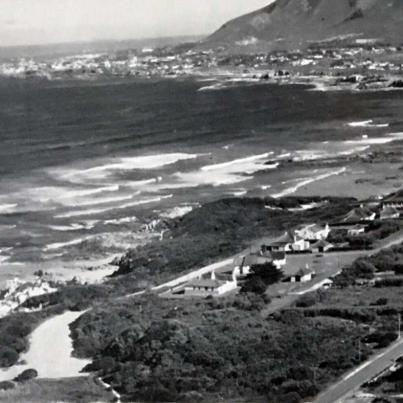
point(367, 60)
point(306, 238)
point(139, 64)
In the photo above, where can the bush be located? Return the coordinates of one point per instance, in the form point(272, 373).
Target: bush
point(260, 277)
point(26, 375)
point(7, 385)
point(381, 339)
point(380, 302)
point(8, 356)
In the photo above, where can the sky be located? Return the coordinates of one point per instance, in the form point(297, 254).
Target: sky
point(29, 22)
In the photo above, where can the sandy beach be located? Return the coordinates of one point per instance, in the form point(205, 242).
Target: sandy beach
point(50, 351)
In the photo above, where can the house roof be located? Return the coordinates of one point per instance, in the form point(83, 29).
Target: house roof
point(322, 243)
point(303, 272)
point(201, 282)
point(358, 227)
point(285, 239)
point(358, 214)
point(311, 227)
point(395, 198)
point(389, 211)
point(251, 260)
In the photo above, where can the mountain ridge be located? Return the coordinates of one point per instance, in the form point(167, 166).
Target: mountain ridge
point(291, 24)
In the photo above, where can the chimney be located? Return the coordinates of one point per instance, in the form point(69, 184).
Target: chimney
point(242, 265)
point(234, 279)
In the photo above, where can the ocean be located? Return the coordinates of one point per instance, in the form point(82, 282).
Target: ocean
point(85, 165)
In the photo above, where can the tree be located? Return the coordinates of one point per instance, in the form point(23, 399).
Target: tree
point(260, 277)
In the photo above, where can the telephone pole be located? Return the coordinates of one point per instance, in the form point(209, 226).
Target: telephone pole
point(399, 321)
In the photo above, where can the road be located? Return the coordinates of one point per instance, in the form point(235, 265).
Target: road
point(354, 379)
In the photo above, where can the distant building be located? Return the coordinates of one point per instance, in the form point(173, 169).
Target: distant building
point(313, 232)
point(395, 200)
point(327, 284)
point(289, 242)
point(244, 264)
point(210, 287)
point(279, 259)
point(357, 215)
point(356, 230)
point(389, 213)
point(321, 246)
point(302, 276)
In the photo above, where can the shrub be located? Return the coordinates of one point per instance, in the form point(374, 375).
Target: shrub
point(8, 356)
point(6, 385)
point(26, 375)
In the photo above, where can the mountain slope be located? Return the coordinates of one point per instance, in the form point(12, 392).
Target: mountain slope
point(296, 23)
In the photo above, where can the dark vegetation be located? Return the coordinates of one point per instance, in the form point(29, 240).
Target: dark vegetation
point(387, 260)
point(221, 229)
point(26, 375)
point(260, 277)
point(376, 230)
point(6, 385)
point(153, 349)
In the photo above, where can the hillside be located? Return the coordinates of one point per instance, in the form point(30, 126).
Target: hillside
point(292, 24)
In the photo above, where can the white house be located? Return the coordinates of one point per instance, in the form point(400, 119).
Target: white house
point(210, 287)
point(289, 242)
point(321, 246)
point(302, 276)
point(389, 213)
point(279, 259)
point(313, 232)
point(395, 200)
point(356, 230)
point(358, 215)
point(244, 264)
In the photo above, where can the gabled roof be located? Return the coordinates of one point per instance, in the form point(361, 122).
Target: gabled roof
point(394, 198)
point(303, 272)
point(252, 260)
point(201, 282)
point(285, 239)
point(311, 227)
point(390, 211)
point(358, 227)
point(358, 214)
point(322, 243)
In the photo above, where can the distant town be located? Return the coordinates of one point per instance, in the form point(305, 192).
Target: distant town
point(365, 65)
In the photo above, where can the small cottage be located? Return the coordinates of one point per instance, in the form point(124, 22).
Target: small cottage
point(321, 246)
point(389, 213)
point(302, 276)
point(358, 215)
point(395, 200)
point(313, 232)
point(289, 242)
point(356, 230)
point(210, 287)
